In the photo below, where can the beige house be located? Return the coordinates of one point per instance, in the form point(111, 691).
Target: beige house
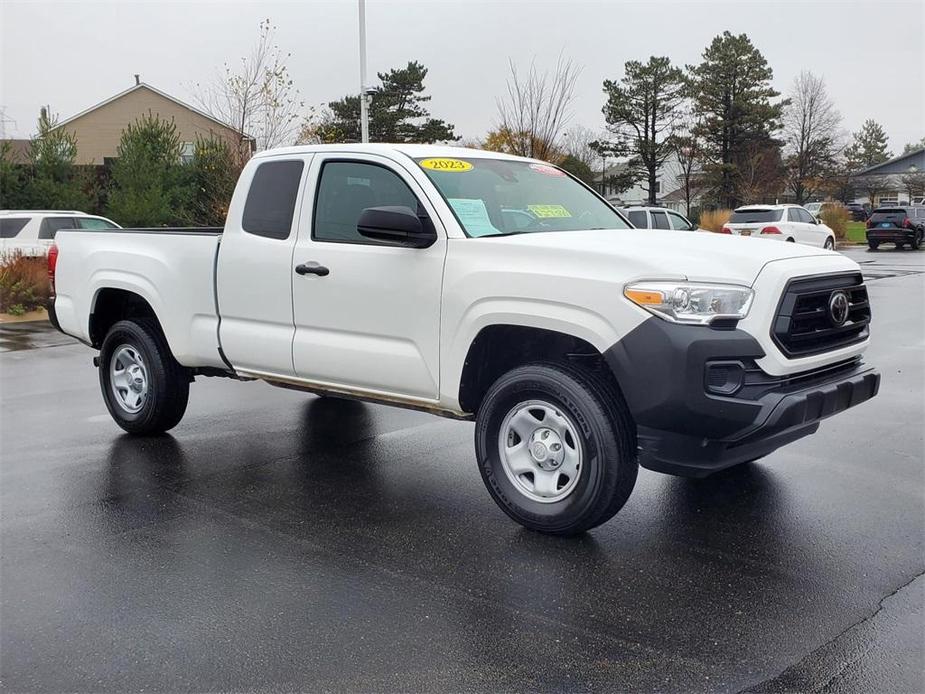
point(99, 128)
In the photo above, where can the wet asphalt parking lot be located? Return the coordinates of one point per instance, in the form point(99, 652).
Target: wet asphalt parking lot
point(276, 541)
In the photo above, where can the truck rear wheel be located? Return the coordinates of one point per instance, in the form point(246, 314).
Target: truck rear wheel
point(145, 389)
point(556, 448)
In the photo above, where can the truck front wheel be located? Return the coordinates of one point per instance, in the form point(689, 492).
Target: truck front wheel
point(145, 389)
point(556, 448)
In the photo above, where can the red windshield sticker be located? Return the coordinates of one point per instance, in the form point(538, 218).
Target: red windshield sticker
point(546, 170)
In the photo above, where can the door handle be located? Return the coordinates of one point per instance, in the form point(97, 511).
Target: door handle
point(312, 268)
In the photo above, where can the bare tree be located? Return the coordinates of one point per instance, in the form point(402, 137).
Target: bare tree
point(537, 108)
point(688, 149)
point(871, 186)
point(580, 142)
point(811, 124)
point(760, 170)
point(257, 97)
point(914, 183)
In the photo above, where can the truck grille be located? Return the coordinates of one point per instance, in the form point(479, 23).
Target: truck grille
point(805, 324)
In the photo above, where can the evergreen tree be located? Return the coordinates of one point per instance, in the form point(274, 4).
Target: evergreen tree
point(644, 110)
point(732, 91)
point(397, 112)
point(212, 175)
point(868, 146)
point(149, 186)
point(55, 183)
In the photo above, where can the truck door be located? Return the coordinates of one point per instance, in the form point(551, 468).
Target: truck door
point(367, 317)
point(253, 277)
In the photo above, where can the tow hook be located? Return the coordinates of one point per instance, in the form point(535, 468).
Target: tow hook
point(96, 362)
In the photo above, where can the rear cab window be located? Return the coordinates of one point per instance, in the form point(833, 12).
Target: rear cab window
point(271, 199)
point(755, 216)
point(494, 197)
point(11, 226)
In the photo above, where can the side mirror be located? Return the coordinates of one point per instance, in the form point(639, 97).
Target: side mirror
point(396, 226)
point(818, 220)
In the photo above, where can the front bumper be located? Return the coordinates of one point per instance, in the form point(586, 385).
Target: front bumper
point(684, 429)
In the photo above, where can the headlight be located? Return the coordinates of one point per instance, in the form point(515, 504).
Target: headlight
point(691, 302)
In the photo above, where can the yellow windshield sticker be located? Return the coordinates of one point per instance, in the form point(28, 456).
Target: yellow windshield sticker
point(441, 164)
point(549, 210)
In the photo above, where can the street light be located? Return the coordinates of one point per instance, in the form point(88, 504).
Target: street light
point(364, 97)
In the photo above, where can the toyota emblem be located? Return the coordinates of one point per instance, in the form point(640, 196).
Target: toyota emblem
point(838, 308)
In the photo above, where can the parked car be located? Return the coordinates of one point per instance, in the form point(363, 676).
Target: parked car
point(816, 208)
point(782, 222)
point(903, 226)
point(33, 231)
point(658, 218)
point(389, 273)
point(859, 212)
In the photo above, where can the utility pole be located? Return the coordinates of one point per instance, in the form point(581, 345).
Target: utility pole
point(364, 98)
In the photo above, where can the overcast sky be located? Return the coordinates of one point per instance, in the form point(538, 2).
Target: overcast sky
point(73, 55)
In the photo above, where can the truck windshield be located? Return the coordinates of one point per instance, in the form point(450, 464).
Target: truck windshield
point(491, 197)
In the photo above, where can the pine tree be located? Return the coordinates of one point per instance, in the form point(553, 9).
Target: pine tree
point(397, 112)
point(149, 186)
point(644, 110)
point(868, 146)
point(732, 92)
point(55, 183)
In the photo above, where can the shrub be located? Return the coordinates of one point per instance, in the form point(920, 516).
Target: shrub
point(147, 184)
point(713, 220)
point(24, 282)
point(836, 217)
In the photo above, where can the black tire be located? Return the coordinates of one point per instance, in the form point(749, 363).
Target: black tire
point(166, 381)
point(604, 427)
point(916, 242)
point(791, 240)
point(873, 245)
point(829, 244)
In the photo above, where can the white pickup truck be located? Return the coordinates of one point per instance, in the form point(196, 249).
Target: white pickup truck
point(480, 286)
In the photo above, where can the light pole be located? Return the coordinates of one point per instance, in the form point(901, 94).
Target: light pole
point(364, 99)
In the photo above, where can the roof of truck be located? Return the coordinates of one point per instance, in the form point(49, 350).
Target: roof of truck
point(411, 150)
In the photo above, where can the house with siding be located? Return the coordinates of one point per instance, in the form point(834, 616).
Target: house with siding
point(899, 180)
point(98, 129)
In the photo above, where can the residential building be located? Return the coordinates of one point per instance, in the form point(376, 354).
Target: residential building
point(896, 181)
point(98, 129)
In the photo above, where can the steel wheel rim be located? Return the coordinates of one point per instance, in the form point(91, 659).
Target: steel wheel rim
point(540, 451)
point(128, 378)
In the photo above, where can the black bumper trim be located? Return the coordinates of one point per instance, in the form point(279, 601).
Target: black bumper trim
point(683, 430)
point(892, 235)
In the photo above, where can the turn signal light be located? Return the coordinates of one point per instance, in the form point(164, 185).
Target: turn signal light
point(725, 230)
point(770, 230)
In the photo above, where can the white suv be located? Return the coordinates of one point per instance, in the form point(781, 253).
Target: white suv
point(33, 231)
point(782, 222)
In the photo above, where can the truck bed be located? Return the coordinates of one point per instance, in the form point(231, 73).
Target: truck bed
point(171, 268)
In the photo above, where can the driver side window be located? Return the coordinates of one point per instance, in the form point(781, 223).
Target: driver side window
point(345, 189)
